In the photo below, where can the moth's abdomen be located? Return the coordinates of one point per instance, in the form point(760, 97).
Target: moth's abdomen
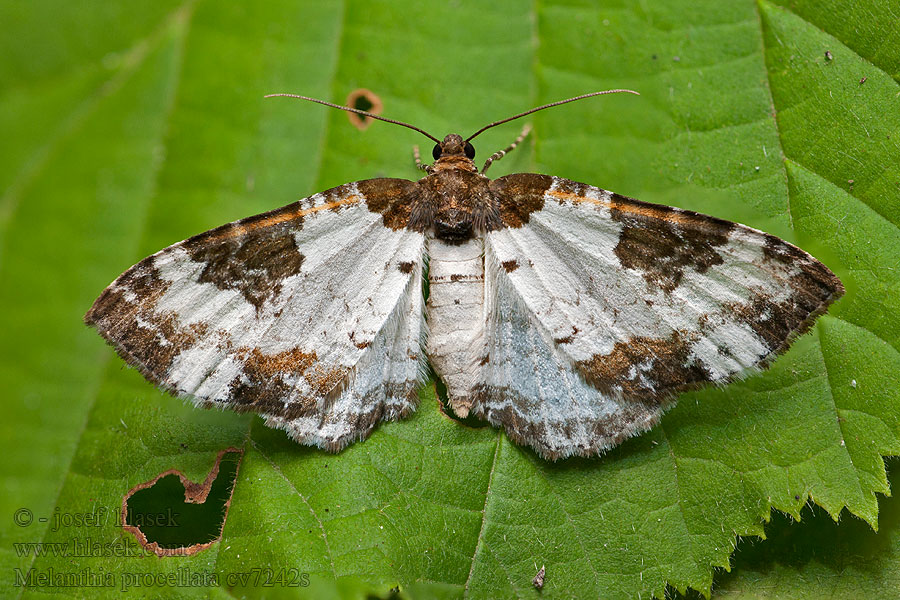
point(455, 315)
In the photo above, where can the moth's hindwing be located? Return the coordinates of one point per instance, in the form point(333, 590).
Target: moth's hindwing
point(310, 315)
point(601, 309)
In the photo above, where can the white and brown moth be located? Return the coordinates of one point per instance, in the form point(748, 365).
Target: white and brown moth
point(568, 315)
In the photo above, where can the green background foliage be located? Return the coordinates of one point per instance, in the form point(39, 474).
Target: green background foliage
point(128, 126)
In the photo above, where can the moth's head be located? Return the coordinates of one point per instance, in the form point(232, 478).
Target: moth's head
point(453, 153)
point(452, 146)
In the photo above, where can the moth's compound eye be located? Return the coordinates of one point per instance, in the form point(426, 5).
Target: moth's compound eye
point(436, 151)
point(470, 150)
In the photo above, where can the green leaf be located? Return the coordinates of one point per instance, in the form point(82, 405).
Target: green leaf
point(819, 558)
point(133, 125)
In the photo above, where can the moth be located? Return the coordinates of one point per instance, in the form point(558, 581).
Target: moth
point(569, 315)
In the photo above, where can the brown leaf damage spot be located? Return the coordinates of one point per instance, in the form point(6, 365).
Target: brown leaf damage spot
point(169, 527)
point(366, 100)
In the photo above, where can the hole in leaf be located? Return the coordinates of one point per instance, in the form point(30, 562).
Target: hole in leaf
point(362, 103)
point(171, 515)
point(366, 100)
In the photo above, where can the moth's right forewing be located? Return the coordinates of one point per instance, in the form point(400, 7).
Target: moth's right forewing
point(640, 301)
point(310, 315)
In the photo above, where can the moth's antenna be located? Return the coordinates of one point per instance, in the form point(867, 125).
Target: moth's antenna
point(357, 111)
point(528, 112)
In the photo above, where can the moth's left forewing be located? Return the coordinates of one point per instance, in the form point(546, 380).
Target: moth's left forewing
point(642, 301)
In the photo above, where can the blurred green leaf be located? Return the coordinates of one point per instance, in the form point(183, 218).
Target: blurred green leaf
point(130, 126)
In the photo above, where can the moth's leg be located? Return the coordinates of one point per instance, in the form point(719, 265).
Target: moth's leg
point(419, 164)
point(510, 148)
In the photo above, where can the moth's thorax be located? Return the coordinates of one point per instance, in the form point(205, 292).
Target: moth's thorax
point(456, 205)
point(453, 163)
